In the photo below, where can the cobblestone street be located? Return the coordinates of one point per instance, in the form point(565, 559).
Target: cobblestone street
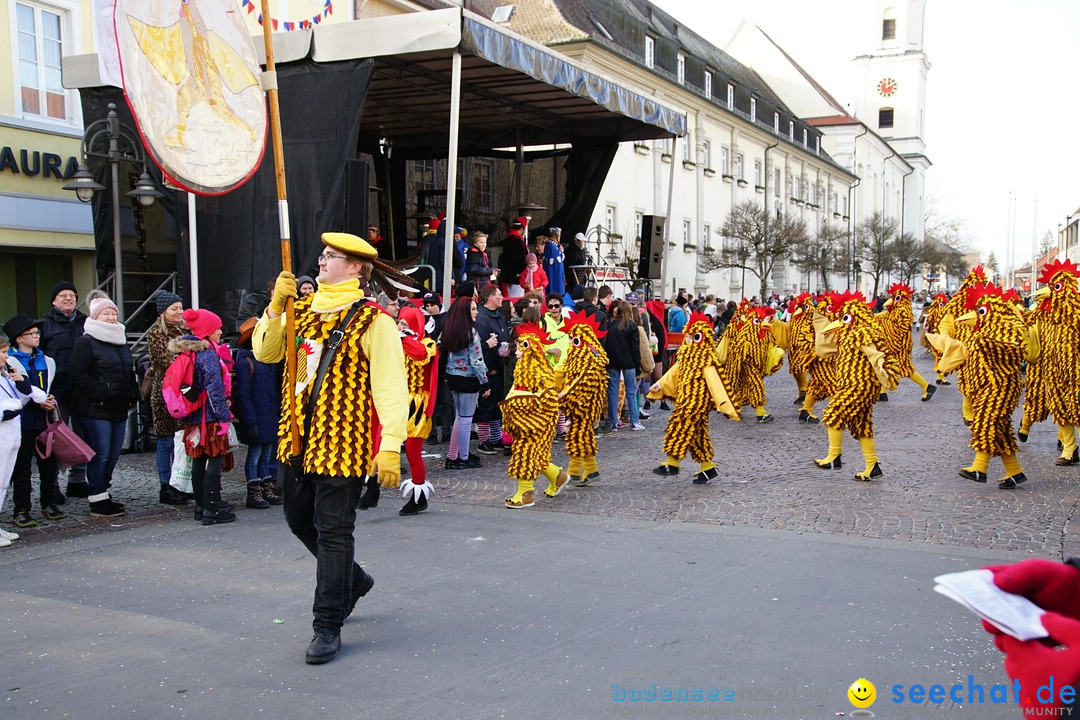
point(767, 480)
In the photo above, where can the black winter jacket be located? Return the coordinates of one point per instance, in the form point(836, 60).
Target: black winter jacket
point(58, 336)
point(623, 347)
point(103, 383)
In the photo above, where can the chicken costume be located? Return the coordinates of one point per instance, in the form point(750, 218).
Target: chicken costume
point(1036, 409)
point(1059, 341)
point(422, 373)
point(961, 332)
point(996, 348)
point(695, 383)
point(583, 395)
point(934, 313)
point(896, 321)
point(530, 412)
point(797, 340)
point(802, 355)
point(862, 370)
point(750, 355)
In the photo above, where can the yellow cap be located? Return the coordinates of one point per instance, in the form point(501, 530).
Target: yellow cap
point(351, 244)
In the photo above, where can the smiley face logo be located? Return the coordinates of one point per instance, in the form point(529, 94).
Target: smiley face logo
point(862, 693)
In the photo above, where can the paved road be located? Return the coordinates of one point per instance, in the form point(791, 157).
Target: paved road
point(768, 480)
point(777, 581)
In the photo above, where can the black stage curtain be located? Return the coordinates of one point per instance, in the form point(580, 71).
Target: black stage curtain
point(586, 170)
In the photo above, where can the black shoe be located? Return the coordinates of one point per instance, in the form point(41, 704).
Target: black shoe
point(1075, 459)
point(324, 647)
point(664, 405)
point(1011, 482)
point(875, 472)
point(705, 476)
point(23, 519)
point(806, 417)
point(360, 590)
point(51, 512)
point(106, 508)
point(642, 416)
point(473, 461)
point(976, 475)
point(1022, 435)
point(763, 419)
point(647, 405)
point(198, 513)
point(78, 490)
point(58, 497)
point(883, 397)
point(370, 498)
point(452, 464)
point(666, 470)
point(930, 390)
point(171, 496)
point(486, 448)
point(270, 492)
point(217, 517)
point(508, 450)
point(835, 464)
point(414, 507)
point(801, 399)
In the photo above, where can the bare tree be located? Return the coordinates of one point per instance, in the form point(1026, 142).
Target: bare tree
point(1046, 243)
point(910, 257)
point(876, 237)
point(754, 241)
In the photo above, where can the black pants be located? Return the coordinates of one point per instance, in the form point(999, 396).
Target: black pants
point(20, 476)
point(321, 512)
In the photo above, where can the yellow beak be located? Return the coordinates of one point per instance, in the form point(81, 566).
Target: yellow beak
point(889, 303)
point(1041, 293)
point(833, 326)
point(797, 313)
point(968, 317)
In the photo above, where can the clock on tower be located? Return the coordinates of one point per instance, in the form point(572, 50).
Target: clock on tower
point(887, 87)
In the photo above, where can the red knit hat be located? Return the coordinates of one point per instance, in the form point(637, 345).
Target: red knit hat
point(202, 323)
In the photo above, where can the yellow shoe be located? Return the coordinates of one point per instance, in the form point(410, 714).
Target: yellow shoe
point(555, 486)
point(525, 501)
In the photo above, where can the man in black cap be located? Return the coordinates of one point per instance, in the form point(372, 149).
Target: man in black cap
point(61, 326)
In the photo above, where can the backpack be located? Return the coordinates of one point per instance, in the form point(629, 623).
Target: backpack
point(176, 387)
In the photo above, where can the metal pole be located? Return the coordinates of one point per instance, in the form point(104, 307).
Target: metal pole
point(118, 262)
point(447, 227)
point(193, 251)
point(667, 223)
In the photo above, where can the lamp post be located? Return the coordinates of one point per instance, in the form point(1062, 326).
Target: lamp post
point(114, 142)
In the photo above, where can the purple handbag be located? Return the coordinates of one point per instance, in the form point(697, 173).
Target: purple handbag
point(60, 441)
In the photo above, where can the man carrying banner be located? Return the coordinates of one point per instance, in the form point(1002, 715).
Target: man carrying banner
point(350, 370)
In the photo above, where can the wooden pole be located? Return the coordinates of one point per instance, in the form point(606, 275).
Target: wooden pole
point(283, 224)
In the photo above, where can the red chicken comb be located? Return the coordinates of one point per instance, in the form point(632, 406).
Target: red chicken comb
point(899, 288)
point(977, 294)
point(536, 331)
point(698, 317)
point(580, 317)
point(839, 299)
point(1053, 268)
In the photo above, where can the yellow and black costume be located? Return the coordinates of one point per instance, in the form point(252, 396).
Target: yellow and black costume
point(962, 332)
point(696, 384)
point(896, 322)
point(530, 412)
point(1059, 340)
point(583, 395)
point(750, 354)
point(934, 313)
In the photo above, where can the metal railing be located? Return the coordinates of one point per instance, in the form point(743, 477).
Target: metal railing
point(138, 341)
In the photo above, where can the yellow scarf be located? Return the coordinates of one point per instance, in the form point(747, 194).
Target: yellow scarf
point(336, 297)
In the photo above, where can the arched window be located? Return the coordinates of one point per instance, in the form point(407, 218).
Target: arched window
point(888, 24)
point(885, 117)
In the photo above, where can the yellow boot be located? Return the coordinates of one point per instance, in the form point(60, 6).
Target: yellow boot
point(806, 415)
point(590, 471)
point(706, 472)
point(873, 467)
point(523, 498)
point(977, 470)
point(1015, 475)
point(969, 416)
point(800, 383)
point(1069, 453)
point(556, 479)
point(762, 416)
point(832, 460)
point(1025, 428)
point(668, 467)
point(575, 468)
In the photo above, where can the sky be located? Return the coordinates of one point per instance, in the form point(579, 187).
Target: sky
point(1002, 106)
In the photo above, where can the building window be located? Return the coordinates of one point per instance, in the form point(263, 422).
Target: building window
point(706, 232)
point(650, 51)
point(424, 175)
point(480, 181)
point(813, 194)
point(738, 173)
point(609, 218)
point(832, 203)
point(681, 69)
point(708, 84)
point(758, 176)
point(885, 117)
point(817, 144)
point(731, 96)
point(40, 40)
point(706, 154)
point(787, 187)
point(639, 219)
point(686, 151)
point(805, 137)
point(776, 122)
point(685, 232)
point(888, 29)
point(791, 130)
point(753, 109)
point(796, 187)
point(776, 181)
point(725, 168)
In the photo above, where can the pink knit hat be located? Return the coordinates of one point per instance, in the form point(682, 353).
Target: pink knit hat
point(99, 302)
point(202, 323)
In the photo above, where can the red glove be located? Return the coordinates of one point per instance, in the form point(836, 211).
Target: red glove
point(1053, 586)
point(1036, 664)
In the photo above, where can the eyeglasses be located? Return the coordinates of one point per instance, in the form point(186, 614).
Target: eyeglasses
point(67, 296)
point(328, 256)
point(554, 306)
point(35, 333)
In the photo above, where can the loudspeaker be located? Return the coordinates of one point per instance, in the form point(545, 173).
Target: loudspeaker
point(652, 247)
point(357, 194)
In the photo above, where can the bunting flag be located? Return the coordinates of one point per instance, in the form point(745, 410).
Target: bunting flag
point(290, 25)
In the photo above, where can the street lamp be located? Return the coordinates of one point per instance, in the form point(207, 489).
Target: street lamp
point(114, 142)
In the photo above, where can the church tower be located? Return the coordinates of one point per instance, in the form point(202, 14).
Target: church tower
point(893, 97)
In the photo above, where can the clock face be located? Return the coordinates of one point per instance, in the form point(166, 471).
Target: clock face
point(887, 87)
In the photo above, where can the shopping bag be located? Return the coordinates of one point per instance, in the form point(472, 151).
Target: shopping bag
point(180, 478)
point(61, 442)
